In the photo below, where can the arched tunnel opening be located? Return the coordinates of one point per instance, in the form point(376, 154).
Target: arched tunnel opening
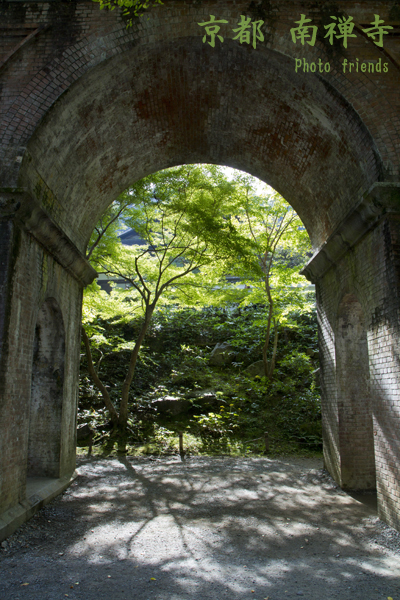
point(235, 339)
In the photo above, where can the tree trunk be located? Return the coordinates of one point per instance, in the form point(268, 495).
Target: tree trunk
point(123, 409)
point(266, 343)
point(271, 367)
point(96, 380)
point(119, 420)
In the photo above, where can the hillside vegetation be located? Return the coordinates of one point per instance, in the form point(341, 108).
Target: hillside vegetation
point(224, 408)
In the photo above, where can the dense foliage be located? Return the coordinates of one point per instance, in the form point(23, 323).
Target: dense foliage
point(226, 410)
point(180, 215)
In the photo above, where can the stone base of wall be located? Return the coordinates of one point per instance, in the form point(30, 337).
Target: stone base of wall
point(40, 491)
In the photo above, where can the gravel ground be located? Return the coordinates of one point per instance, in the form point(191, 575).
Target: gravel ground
point(208, 528)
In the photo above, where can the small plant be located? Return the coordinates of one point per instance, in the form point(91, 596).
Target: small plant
point(131, 8)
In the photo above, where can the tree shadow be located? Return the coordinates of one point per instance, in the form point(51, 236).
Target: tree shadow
point(206, 528)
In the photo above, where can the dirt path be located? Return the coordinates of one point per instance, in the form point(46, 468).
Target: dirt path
point(209, 528)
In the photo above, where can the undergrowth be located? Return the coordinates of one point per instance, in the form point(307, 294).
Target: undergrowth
point(224, 410)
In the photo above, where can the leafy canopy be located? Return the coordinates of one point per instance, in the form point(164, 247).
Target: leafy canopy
point(182, 217)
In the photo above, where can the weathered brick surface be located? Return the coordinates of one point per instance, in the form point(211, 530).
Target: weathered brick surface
point(87, 107)
point(366, 410)
point(6, 251)
point(37, 277)
point(45, 414)
point(356, 442)
point(157, 93)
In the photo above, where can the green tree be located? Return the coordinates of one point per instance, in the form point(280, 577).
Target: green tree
point(280, 246)
point(181, 216)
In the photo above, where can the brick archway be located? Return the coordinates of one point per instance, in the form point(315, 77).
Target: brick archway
point(88, 107)
point(135, 114)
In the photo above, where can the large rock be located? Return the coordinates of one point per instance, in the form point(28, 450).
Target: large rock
point(206, 394)
point(205, 398)
point(172, 405)
point(223, 354)
point(256, 369)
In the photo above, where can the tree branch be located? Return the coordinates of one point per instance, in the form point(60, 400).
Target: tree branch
point(101, 233)
point(96, 380)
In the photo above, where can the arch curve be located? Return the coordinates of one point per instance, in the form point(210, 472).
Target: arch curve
point(135, 114)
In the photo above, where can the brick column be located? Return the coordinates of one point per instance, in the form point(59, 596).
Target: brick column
point(7, 230)
point(384, 346)
point(41, 279)
point(356, 441)
point(357, 276)
point(9, 244)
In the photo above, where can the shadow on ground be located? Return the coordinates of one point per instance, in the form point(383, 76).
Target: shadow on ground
point(208, 528)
